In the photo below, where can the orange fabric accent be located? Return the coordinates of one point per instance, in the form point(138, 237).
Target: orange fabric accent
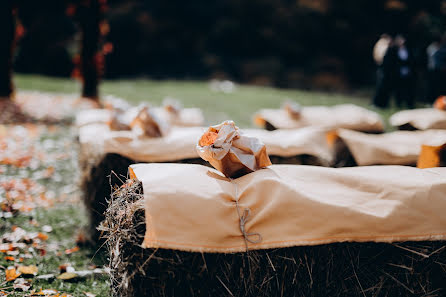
point(192, 207)
point(430, 156)
point(331, 137)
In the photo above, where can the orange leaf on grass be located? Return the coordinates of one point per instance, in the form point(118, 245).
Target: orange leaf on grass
point(72, 250)
point(28, 270)
point(11, 274)
point(42, 236)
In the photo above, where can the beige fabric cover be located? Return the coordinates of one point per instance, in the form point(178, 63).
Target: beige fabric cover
point(180, 143)
point(422, 119)
point(395, 148)
point(193, 208)
point(92, 116)
point(186, 117)
point(346, 116)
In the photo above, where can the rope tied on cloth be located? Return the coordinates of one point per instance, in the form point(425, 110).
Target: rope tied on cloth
point(243, 217)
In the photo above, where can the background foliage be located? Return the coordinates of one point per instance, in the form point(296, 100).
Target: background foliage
point(324, 44)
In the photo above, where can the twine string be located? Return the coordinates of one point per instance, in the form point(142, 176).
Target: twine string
point(253, 237)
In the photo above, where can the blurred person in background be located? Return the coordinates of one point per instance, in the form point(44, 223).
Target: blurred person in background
point(431, 75)
point(396, 75)
point(437, 81)
point(383, 77)
point(405, 73)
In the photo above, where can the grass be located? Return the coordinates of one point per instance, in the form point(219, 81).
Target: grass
point(67, 218)
point(239, 105)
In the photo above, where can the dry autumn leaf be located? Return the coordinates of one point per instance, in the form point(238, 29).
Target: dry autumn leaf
point(67, 276)
point(42, 236)
point(46, 292)
point(22, 285)
point(72, 250)
point(28, 270)
point(11, 274)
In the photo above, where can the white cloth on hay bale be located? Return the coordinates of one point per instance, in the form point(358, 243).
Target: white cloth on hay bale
point(421, 119)
point(348, 116)
point(180, 143)
point(394, 148)
point(195, 208)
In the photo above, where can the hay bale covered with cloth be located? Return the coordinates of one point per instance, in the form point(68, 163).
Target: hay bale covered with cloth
point(105, 156)
point(395, 148)
point(347, 116)
point(419, 119)
point(187, 230)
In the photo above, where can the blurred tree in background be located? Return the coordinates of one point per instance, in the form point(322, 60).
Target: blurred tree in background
point(324, 44)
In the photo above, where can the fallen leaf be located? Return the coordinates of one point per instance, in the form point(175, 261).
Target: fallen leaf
point(67, 276)
point(9, 258)
point(72, 250)
point(63, 267)
point(46, 292)
point(89, 294)
point(46, 277)
point(47, 228)
point(48, 172)
point(11, 274)
point(42, 236)
point(28, 270)
point(21, 284)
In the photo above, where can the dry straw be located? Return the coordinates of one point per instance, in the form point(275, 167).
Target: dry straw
point(341, 269)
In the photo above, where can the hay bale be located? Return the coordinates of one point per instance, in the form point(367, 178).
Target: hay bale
point(341, 269)
point(343, 157)
point(98, 180)
point(101, 174)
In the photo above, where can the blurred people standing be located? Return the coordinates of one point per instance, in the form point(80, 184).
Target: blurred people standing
point(383, 77)
point(406, 76)
point(437, 82)
point(431, 75)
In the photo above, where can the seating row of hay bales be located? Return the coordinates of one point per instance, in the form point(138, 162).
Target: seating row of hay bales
point(105, 156)
point(411, 268)
point(364, 264)
point(100, 155)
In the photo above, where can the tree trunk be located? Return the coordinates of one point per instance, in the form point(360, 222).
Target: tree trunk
point(7, 34)
point(90, 17)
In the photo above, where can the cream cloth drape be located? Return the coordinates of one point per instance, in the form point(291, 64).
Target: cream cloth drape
point(193, 208)
point(180, 143)
point(346, 116)
point(395, 148)
point(421, 119)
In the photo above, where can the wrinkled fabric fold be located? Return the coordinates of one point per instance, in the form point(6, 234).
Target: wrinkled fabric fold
point(181, 141)
point(394, 148)
point(421, 119)
point(346, 116)
point(192, 207)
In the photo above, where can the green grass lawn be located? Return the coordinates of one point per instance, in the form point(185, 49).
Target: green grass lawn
point(68, 217)
point(239, 105)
